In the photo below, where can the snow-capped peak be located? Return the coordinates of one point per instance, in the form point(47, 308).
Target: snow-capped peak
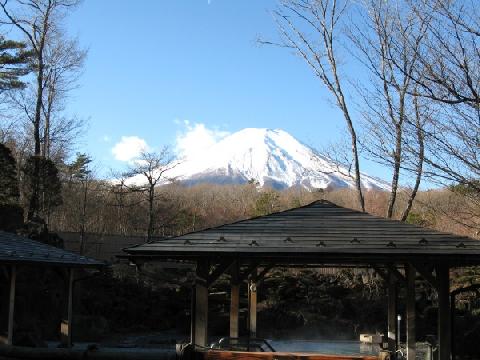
point(270, 157)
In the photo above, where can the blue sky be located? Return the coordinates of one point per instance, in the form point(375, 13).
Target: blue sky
point(153, 65)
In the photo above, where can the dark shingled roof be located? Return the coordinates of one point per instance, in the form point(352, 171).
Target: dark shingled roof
point(320, 232)
point(17, 249)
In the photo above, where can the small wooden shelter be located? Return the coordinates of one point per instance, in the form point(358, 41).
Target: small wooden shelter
point(317, 235)
point(17, 251)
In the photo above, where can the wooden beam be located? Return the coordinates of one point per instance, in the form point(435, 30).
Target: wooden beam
point(11, 306)
point(392, 289)
point(218, 271)
point(426, 274)
point(201, 304)
point(398, 275)
point(444, 320)
point(411, 313)
point(234, 301)
point(252, 305)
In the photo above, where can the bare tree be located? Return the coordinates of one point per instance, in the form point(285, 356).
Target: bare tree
point(449, 70)
point(37, 21)
point(310, 29)
point(64, 61)
point(390, 36)
point(148, 172)
point(119, 191)
point(447, 76)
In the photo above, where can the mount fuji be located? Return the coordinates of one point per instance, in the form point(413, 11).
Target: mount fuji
point(272, 158)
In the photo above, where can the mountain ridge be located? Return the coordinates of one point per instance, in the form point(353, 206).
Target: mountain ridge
point(271, 157)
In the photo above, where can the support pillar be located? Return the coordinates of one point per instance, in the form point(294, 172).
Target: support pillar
point(410, 273)
point(70, 307)
point(192, 315)
point(201, 305)
point(67, 324)
point(252, 305)
point(234, 301)
point(11, 306)
point(392, 313)
point(452, 325)
point(444, 320)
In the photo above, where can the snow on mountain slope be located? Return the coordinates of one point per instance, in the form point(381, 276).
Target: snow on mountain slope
point(271, 157)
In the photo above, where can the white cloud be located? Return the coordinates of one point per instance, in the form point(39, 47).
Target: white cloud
point(196, 138)
point(129, 147)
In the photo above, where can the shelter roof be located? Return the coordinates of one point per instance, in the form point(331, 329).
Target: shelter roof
point(17, 249)
point(320, 232)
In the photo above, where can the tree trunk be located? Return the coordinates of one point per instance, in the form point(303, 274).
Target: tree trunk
point(419, 170)
point(358, 182)
point(83, 220)
point(34, 199)
point(356, 161)
point(151, 198)
point(396, 170)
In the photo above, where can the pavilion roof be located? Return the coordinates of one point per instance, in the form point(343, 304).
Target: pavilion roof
point(320, 232)
point(15, 249)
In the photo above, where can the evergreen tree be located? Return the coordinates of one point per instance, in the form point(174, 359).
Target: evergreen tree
point(11, 214)
point(8, 177)
point(49, 184)
point(14, 63)
point(79, 169)
point(79, 172)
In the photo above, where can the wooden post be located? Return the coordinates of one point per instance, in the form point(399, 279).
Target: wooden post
point(392, 313)
point(192, 315)
point(252, 305)
point(410, 273)
point(452, 325)
point(67, 325)
point(201, 304)
point(444, 320)
point(70, 307)
point(11, 307)
point(234, 301)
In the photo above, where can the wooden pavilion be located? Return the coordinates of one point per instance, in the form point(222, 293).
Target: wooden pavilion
point(18, 251)
point(317, 235)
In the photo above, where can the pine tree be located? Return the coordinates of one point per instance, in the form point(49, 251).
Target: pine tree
point(79, 171)
point(11, 214)
point(8, 177)
point(14, 63)
point(49, 184)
